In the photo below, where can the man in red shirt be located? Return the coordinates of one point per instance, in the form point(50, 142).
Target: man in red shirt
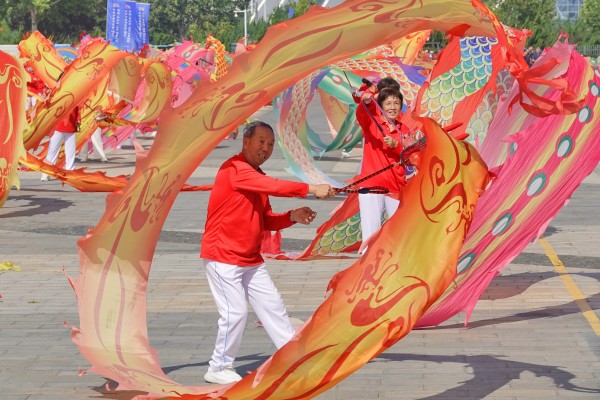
point(239, 212)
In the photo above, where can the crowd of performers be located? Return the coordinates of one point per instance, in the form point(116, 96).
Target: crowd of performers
point(116, 115)
point(65, 130)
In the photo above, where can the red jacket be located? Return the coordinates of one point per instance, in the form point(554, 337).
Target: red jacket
point(36, 86)
point(376, 155)
point(239, 211)
point(69, 123)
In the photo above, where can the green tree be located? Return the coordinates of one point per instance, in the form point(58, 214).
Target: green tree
point(62, 20)
point(225, 31)
point(176, 20)
point(302, 6)
point(7, 36)
point(437, 41)
point(589, 27)
point(66, 22)
point(539, 16)
point(280, 14)
point(574, 30)
point(28, 12)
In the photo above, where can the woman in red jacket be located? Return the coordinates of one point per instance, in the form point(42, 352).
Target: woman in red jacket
point(382, 131)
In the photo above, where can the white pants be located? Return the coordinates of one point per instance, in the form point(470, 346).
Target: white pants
point(371, 206)
point(233, 287)
point(56, 141)
point(132, 137)
point(31, 100)
point(98, 152)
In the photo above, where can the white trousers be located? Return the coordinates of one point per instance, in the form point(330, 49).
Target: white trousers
point(233, 288)
point(31, 100)
point(56, 141)
point(98, 152)
point(132, 136)
point(371, 206)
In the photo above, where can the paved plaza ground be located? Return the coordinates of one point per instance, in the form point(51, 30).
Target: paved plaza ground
point(530, 336)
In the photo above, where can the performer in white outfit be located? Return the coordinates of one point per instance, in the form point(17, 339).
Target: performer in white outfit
point(98, 148)
point(235, 269)
point(64, 132)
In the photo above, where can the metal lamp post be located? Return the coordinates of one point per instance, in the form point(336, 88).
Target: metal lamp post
point(245, 24)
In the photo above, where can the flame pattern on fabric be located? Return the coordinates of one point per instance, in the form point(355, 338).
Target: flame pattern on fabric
point(13, 96)
point(547, 161)
point(116, 255)
point(376, 301)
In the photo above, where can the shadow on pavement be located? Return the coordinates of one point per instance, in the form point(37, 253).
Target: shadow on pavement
point(36, 206)
point(168, 370)
point(547, 312)
point(490, 374)
point(107, 391)
point(253, 362)
point(550, 230)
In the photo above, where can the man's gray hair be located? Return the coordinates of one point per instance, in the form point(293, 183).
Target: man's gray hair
point(250, 128)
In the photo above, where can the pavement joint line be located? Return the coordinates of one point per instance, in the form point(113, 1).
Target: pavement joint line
point(572, 287)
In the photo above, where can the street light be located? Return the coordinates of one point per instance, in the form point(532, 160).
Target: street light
point(245, 24)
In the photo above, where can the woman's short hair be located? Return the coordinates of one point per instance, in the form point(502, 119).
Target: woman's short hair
point(388, 82)
point(250, 128)
point(389, 92)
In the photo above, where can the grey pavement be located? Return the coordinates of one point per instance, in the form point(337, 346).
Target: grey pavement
point(527, 337)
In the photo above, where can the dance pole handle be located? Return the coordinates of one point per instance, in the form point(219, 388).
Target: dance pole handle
point(363, 190)
point(404, 160)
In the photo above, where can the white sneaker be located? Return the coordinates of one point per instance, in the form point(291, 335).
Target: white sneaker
point(345, 154)
point(44, 177)
point(223, 377)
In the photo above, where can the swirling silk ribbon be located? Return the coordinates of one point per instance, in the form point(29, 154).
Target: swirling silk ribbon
point(45, 61)
point(96, 80)
point(13, 96)
point(547, 160)
point(374, 303)
point(377, 300)
point(79, 79)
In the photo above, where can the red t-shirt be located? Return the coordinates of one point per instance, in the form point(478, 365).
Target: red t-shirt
point(376, 155)
point(239, 211)
point(35, 85)
point(69, 123)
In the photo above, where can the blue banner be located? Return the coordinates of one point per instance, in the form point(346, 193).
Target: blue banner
point(127, 24)
point(129, 27)
point(143, 15)
point(113, 22)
